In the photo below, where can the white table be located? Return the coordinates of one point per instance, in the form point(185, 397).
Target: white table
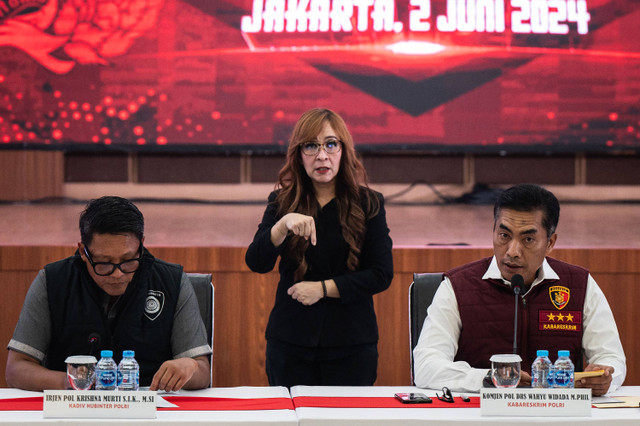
point(312, 416)
point(214, 417)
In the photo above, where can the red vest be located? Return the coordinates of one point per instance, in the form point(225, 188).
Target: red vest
point(550, 316)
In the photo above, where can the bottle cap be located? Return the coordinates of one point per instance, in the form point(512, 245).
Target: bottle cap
point(563, 353)
point(106, 354)
point(542, 352)
point(128, 354)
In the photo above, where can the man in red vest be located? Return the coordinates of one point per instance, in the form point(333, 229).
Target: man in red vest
point(560, 307)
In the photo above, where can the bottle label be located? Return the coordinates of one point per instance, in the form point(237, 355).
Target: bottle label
point(563, 378)
point(107, 378)
point(128, 380)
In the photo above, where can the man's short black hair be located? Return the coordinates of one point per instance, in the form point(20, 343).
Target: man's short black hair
point(110, 215)
point(527, 198)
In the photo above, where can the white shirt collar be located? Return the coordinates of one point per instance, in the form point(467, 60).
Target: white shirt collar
point(546, 272)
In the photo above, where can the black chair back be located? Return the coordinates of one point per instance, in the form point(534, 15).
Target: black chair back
point(421, 292)
point(203, 288)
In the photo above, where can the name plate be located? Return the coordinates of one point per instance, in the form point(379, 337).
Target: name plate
point(100, 404)
point(535, 402)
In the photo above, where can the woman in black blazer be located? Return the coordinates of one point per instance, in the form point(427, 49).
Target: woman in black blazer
point(330, 232)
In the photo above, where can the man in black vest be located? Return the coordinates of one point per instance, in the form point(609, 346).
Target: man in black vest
point(561, 306)
point(111, 294)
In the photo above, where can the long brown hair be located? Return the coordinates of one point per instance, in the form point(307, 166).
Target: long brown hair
point(297, 193)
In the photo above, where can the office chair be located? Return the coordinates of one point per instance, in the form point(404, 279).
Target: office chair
point(421, 292)
point(203, 287)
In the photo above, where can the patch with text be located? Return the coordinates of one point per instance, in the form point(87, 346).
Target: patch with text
point(564, 321)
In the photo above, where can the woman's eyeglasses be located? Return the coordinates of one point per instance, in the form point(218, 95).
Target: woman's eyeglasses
point(331, 146)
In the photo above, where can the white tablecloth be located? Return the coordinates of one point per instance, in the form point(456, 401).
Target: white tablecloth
point(311, 416)
point(218, 417)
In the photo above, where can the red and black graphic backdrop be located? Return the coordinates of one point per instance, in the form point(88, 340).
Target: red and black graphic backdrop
point(187, 73)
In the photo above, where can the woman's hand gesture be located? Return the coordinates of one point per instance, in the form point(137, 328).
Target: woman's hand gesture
point(296, 223)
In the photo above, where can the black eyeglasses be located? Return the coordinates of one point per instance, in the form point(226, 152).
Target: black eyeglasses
point(446, 395)
point(106, 268)
point(331, 146)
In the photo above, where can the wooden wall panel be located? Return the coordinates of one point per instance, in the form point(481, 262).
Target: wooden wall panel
point(623, 292)
point(31, 175)
point(14, 290)
point(242, 307)
point(243, 301)
point(392, 312)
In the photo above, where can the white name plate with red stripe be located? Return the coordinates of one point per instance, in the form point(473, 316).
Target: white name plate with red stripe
point(535, 402)
point(92, 404)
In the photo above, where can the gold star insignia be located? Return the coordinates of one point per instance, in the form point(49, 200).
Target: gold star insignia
point(551, 317)
point(569, 318)
point(560, 317)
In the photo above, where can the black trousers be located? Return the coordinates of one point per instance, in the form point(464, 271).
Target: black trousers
point(289, 365)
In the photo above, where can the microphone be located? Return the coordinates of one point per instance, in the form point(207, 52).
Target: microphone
point(94, 342)
point(517, 283)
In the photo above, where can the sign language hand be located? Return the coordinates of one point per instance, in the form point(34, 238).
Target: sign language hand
point(302, 225)
point(306, 292)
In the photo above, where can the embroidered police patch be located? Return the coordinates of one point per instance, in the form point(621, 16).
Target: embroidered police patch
point(559, 296)
point(554, 321)
point(154, 304)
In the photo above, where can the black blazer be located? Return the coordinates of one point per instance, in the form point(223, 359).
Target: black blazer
point(331, 322)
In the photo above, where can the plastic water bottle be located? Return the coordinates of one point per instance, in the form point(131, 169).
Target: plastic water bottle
point(563, 371)
point(542, 371)
point(106, 372)
point(128, 372)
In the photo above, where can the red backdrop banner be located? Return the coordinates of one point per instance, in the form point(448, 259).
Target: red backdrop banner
point(237, 74)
